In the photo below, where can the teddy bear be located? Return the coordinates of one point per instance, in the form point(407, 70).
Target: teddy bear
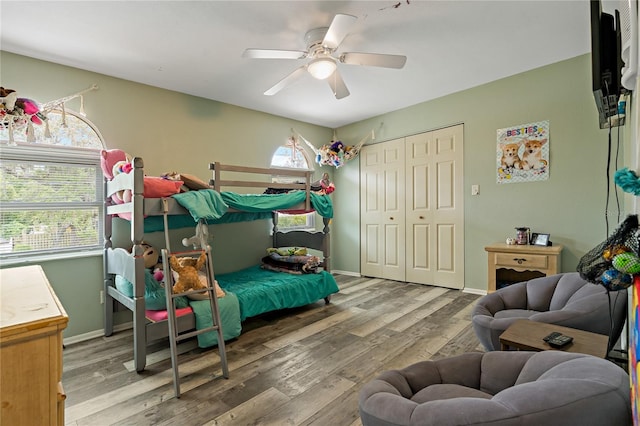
point(187, 269)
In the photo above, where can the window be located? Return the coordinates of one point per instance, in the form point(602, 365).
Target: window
point(51, 188)
point(292, 156)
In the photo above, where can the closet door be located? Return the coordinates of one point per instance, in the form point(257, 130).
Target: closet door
point(382, 205)
point(434, 208)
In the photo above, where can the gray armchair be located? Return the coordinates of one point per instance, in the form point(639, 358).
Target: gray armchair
point(563, 299)
point(550, 388)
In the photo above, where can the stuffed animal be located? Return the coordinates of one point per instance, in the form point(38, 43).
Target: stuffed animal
point(150, 255)
point(158, 273)
point(187, 269)
point(113, 162)
point(328, 188)
point(8, 99)
point(337, 146)
point(110, 160)
point(30, 108)
point(21, 109)
point(350, 152)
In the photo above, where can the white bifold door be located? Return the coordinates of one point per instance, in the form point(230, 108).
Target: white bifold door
point(412, 214)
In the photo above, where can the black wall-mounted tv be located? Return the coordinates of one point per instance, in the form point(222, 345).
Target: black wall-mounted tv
point(606, 62)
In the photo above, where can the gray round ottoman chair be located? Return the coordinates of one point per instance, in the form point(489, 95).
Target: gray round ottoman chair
point(563, 299)
point(499, 389)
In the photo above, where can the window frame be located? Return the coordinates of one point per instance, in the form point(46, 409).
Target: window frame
point(310, 222)
point(35, 153)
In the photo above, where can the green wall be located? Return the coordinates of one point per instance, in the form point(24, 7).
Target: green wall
point(177, 132)
point(570, 205)
point(171, 132)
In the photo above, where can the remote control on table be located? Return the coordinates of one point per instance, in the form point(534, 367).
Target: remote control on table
point(551, 336)
point(560, 341)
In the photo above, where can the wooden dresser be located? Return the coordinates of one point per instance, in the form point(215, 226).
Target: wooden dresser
point(509, 264)
point(31, 324)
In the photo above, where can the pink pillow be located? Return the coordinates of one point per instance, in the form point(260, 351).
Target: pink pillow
point(156, 316)
point(156, 187)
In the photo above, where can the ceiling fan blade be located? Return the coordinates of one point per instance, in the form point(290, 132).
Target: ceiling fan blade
point(338, 30)
point(287, 81)
point(374, 59)
point(273, 54)
point(337, 85)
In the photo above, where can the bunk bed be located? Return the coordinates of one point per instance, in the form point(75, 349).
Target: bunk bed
point(249, 292)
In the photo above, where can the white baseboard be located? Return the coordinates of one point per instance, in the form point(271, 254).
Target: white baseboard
point(351, 274)
point(464, 290)
point(93, 334)
point(474, 291)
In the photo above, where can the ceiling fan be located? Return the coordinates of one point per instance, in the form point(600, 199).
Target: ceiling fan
point(322, 43)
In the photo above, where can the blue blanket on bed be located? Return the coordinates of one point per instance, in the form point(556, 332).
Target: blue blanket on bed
point(259, 290)
point(229, 317)
point(213, 206)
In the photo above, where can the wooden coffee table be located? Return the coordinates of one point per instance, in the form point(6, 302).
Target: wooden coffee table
point(527, 335)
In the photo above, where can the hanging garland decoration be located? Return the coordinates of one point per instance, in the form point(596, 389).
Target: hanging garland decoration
point(336, 153)
point(17, 113)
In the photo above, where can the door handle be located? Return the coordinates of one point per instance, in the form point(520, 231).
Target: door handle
point(420, 217)
point(391, 218)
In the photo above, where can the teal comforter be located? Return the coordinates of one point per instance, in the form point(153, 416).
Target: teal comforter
point(213, 207)
point(229, 317)
point(259, 290)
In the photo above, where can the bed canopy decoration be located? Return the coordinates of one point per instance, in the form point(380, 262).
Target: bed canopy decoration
point(17, 114)
point(336, 153)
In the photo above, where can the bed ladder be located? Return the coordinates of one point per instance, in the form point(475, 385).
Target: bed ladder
point(174, 335)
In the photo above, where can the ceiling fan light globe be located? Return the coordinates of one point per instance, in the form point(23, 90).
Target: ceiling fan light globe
point(321, 68)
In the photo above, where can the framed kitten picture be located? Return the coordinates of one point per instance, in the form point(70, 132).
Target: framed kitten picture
point(523, 153)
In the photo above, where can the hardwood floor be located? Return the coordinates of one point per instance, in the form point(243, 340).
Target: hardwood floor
point(303, 366)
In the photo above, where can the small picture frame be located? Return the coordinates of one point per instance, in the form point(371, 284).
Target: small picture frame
point(538, 239)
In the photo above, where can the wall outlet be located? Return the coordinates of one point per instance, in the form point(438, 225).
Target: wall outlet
point(475, 189)
point(102, 297)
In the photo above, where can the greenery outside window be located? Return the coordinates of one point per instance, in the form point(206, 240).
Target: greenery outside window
point(292, 156)
point(51, 189)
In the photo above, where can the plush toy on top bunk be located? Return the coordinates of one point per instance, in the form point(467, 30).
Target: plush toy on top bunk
point(115, 161)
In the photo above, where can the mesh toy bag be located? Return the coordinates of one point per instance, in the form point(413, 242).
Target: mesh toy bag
point(613, 262)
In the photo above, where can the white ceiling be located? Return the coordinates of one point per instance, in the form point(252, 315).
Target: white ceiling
point(195, 47)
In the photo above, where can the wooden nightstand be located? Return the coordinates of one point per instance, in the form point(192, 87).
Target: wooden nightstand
point(509, 264)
